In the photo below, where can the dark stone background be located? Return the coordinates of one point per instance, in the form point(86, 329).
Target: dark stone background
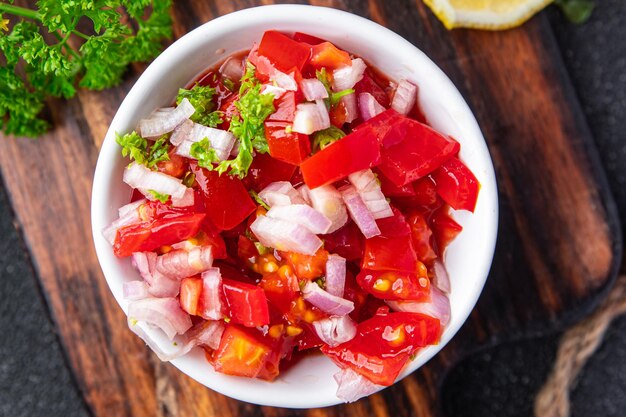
point(35, 381)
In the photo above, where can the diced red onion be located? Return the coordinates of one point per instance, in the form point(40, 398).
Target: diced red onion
point(182, 132)
point(232, 69)
point(368, 106)
point(130, 217)
point(327, 200)
point(135, 290)
point(347, 77)
point(274, 90)
point(131, 207)
point(206, 333)
point(352, 386)
point(159, 284)
point(221, 140)
point(350, 106)
point(335, 330)
point(285, 236)
point(335, 275)
point(404, 98)
point(164, 122)
point(313, 89)
point(325, 301)
point(187, 200)
point(211, 294)
point(359, 212)
point(303, 215)
point(438, 306)
point(368, 187)
point(311, 117)
point(282, 80)
point(179, 264)
point(163, 313)
point(304, 193)
point(441, 279)
point(280, 193)
point(142, 178)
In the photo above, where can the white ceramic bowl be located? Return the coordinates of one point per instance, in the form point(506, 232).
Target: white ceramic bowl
point(309, 383)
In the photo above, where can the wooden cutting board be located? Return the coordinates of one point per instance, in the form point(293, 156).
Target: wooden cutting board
point(558, 248)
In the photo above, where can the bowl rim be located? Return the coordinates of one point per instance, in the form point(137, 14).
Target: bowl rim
point(203, 33)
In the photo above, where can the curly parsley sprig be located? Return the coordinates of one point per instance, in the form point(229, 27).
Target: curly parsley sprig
point(49, 53)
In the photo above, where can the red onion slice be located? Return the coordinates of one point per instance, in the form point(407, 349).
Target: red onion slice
point(280, 193)
point(285, 236)
point(368, 187)
point(405, 97)
point(359, 212)
point(368, 106)
point(179, 264)
point(142, 178)
point(131, 207)
point(351, 107)
point(335, 330)
point(282, 80)
point(313, 89)
point(158, 284)
point(303, 215)
point(135, 290)
point(311, 117)
point(326, 302)
point(181, 133)
point(232, 69)
point(221, 140)
point(212, 294)
point(441, 278)
point(352, 386)
point(347, 77)
point(187, 200)
point(335, 275)
point(206, 333)
point(160, 123)
point(129, 217)
point(163, 313)
point(327, 200)
point(438, 306)
point(274, 90)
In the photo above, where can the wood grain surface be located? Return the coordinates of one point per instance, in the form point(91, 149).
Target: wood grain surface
point(557, 254)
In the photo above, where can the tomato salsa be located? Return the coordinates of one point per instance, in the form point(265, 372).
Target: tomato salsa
point(292, 200)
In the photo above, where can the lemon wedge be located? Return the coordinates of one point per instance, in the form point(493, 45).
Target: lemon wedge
point(485, 14)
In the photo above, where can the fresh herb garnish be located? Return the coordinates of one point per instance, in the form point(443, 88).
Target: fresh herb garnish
point(333, 97)
point(161, 197)
point(137, 149)
point(189, 179)
point(262, 250)
point(323, 138)
point(201, 98)
point(120, 32)
point(205, 154)
point(321, 282)
point(258, 199)
point(576, 11)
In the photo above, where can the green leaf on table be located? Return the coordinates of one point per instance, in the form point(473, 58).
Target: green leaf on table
point(576, 11)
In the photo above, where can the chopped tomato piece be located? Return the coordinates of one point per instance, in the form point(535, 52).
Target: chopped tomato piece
point(176, 166)
point(395, 285)
point(226, 200)
point(394, 226)
point(444, 228)
point(357, 151)
point(346, 241)
point(307, 266)
point(241, 352)
point(246, 303)
point(422, 236)
point(308, 339)
point(190, 291)
point(284, 52)
point(390, 189)
point(285, 145)
point(384, 343)
point(380, 126)
point(306, 38)
point(285, 108)
point(266, 170)
point(369, 85)
point(393, 249)
point(413, 150)
point(281, 288)
point(326, 55)
point(338, 115)
point(281, 347)
point(161, 225)
point(457, 185)
point(425, 192)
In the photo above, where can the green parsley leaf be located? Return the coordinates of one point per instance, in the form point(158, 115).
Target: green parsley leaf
point(333, 97)
point(323, 138)
point(159, 151)
point(161, 197)
point(201, 98)
point(134, 146)
point(576, 11)
point(204, 153)
point(258, 199)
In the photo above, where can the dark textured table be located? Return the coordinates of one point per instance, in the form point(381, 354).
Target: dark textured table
point(35, 381)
